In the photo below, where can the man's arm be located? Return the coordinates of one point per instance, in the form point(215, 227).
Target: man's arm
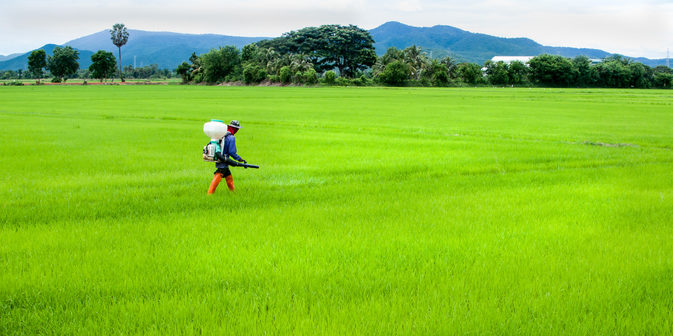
point(231, 149)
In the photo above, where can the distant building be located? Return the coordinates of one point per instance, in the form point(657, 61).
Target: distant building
point(525, 59)
point(510, 59)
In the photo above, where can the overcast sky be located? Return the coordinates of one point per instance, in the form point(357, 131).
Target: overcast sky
point(634, 28)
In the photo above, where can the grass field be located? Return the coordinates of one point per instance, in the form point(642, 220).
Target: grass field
point(375, 211)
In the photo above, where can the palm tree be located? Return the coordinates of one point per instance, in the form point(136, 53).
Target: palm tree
point(119, 37)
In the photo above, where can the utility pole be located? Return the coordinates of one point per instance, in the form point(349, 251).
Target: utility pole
point(668, 58)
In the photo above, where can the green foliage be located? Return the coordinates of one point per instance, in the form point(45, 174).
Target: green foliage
point(613, 73)
point(470, 73)
point(584, 74)
point(310, 77)
point(102, 65)
point(188, 71)
point(285, 75)
point(119, 36)
point(151, 71)
point(184, 70)
point(250, 53)
point(641, 75)
point(497, 73)
point(253, 74)
point(219, 64)
point(437, 74)
point(396, 73)
point(330, 77)
point(361, 81)
point(13, 83)
point(63, 63)
point(347, 48)
point(552, 70)
point(37, 60)
point(517, 73)
point(298, 77)
point(417, 61)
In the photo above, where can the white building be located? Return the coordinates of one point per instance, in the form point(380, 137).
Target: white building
point(525, 59)
point(510, 59)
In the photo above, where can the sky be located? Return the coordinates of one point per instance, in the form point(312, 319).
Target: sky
point(634, 28)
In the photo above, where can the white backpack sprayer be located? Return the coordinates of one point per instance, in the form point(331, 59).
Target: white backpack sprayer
point(216, 130)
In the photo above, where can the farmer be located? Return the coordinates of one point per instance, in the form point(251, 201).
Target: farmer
point(228, 150)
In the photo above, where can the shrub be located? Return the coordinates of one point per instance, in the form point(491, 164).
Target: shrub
point(274, 78)
point(298, 77)
point(441, 78)
point(342, 81)
point(310, 76)
point(285, 75)
point(13, 83)
point(396, 73)
point(253, 74)
point(330, 77)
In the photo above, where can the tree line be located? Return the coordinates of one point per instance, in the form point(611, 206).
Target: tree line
point(345, 55)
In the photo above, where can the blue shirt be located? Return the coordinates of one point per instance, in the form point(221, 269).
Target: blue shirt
point(228, 150)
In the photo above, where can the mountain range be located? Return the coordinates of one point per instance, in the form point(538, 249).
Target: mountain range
point(168, 50)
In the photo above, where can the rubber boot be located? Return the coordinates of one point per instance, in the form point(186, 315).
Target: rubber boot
point(230, 182)
point(213, 185)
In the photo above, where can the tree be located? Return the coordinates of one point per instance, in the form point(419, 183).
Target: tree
point(285, 75)
point(437, 73)
point(37, 60)
point(253, 74)
point(347, 48)
point(451, 65)
point(641, 75)
point(396, 73)
point(663, 77)
point(102, 65)
point(584, 74)
point(63, 62)
point(518, 73)
point(551, 70)
point(613, 73)
point(119, 37)
point(218, 64)
point(416, 60)
point(497, 72)
point(470, 73)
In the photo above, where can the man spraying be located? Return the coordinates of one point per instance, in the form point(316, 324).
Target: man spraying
point(226, 149)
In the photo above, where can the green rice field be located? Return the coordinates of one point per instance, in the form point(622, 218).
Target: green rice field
point(376, 211)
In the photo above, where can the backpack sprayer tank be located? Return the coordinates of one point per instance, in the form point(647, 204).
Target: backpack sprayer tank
point(215, 130)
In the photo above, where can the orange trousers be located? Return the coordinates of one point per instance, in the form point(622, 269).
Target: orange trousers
point(216, 181)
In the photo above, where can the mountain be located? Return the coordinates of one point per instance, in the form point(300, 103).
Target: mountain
point(10, 56)
point(21, 61)
point(165, 49)
point(168, 50)
point(440, 41)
